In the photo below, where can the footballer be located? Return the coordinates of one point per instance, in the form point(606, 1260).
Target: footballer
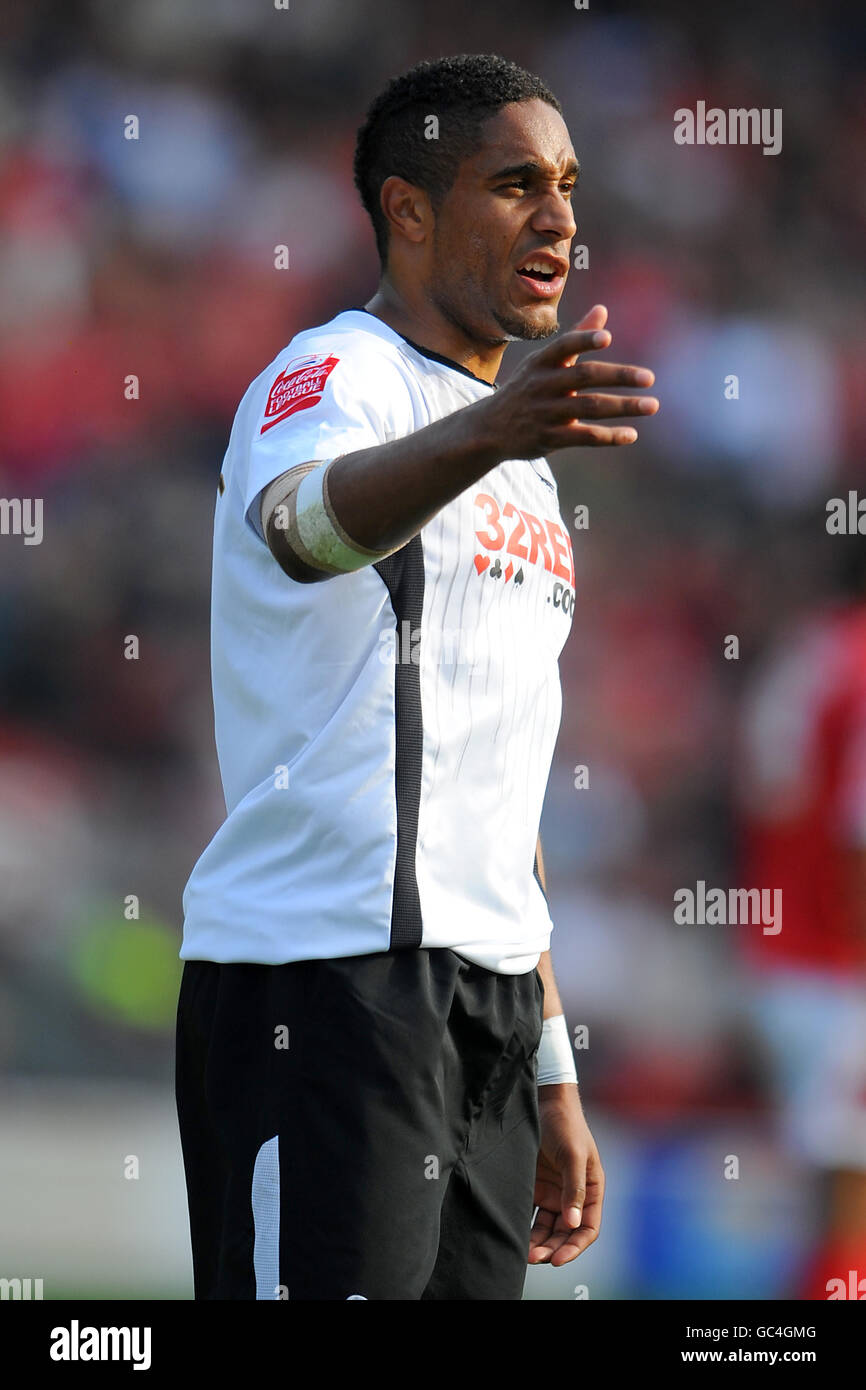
point(376, 1087)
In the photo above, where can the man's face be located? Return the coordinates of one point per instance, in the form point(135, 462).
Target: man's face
point(508, 209)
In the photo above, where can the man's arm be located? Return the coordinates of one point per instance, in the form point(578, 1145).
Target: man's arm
point(569, 1179)
point(341, 514)
point(552, 1001)
point(555, 1051)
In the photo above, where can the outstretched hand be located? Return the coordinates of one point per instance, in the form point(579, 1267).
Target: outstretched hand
point(556, 395)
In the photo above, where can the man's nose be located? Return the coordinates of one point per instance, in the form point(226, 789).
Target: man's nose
point(555, 217)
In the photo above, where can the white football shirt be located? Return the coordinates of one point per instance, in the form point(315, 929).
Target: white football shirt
point(384, 737)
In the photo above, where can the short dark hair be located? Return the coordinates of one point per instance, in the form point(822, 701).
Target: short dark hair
point(462, 92)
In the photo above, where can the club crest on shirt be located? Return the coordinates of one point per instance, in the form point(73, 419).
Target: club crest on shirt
point(299, 385)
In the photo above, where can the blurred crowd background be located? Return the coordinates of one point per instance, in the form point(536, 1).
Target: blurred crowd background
point(154, 258)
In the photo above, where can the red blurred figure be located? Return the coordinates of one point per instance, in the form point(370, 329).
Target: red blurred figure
point(803, 802)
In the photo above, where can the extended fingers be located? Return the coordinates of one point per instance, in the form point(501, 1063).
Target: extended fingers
point(588, 406)
point(586, 374)
point(569, 393)
point(569, 345)
point(570, 434)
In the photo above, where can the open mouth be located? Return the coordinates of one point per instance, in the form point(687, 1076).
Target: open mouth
point(542, 277)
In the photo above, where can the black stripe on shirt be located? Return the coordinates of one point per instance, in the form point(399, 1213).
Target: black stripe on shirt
point(403, 575)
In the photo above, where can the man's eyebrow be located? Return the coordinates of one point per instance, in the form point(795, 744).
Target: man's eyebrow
point(531, 168)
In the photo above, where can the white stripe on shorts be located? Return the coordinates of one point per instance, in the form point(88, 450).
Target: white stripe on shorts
point(266, 1219)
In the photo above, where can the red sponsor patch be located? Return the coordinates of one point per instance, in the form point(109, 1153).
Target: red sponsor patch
point(298, 387)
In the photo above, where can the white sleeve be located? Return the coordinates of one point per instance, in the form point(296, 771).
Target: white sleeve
point(317, 407)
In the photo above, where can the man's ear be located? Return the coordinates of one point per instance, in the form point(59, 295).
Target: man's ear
point(407, 208)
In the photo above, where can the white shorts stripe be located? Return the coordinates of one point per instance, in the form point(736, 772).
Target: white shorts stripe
point(266, 1219)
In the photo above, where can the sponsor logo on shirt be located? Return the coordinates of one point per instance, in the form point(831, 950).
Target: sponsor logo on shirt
point(482, 563)
point(299, 385)
point(530, 540)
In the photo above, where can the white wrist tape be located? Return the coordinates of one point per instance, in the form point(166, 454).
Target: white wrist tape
point(555, 1053)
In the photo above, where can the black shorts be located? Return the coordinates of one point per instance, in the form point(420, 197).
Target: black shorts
point(364, 1127)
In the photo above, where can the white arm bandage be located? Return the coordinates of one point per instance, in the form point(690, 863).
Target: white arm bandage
point(555, 1055)
point(303, 511)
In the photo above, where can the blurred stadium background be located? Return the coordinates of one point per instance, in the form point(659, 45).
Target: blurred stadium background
point(156, 258)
